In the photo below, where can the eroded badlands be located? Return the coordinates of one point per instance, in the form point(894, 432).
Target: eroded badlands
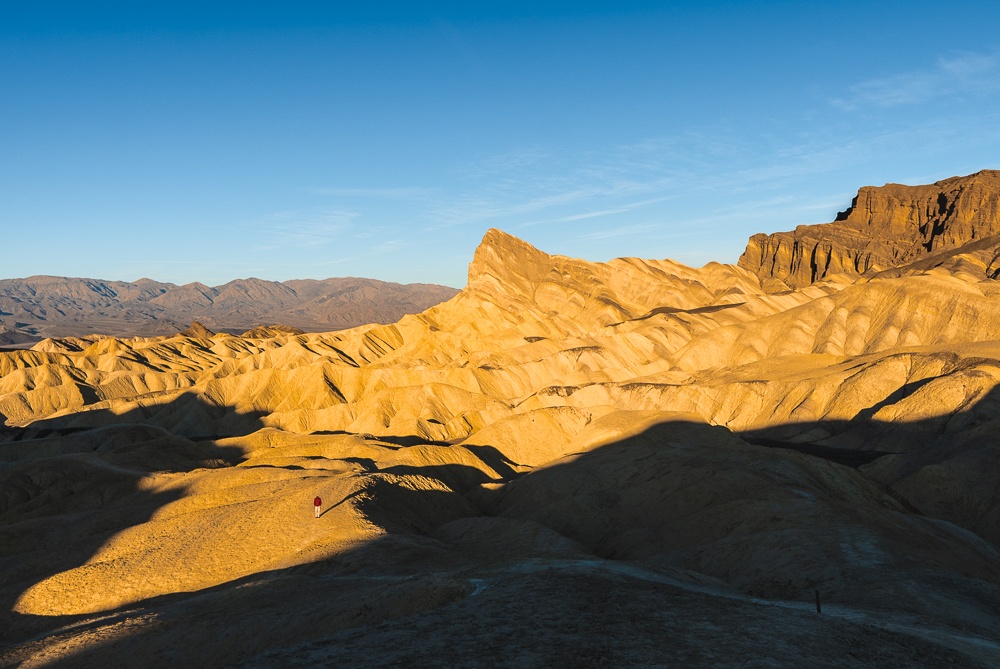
point(633, 463)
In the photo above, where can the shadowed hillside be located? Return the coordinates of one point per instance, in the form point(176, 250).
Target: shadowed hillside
point(566, 464)
point(678, 526)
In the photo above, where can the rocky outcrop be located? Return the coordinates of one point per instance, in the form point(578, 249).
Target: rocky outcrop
point(509, 271)
point(885, 227)
point(197, 331)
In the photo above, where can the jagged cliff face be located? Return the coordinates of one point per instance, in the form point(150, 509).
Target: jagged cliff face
point(886, 227)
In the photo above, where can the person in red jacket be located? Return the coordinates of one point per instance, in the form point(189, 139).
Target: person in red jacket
point(318, 505)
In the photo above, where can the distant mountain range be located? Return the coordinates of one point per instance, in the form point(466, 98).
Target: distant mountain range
point(49, 306)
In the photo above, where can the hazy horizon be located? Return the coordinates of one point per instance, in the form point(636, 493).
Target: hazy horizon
point(218, 285)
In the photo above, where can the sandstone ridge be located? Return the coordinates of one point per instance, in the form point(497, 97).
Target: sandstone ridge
point(885, 227)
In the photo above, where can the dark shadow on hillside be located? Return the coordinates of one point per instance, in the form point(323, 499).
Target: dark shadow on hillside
point(775, 522)
point(849, 457)
point(962, 444)
point(69, 484)
point(403, 440)
point(967, 426)
point(668, 311)
point(944, 466)
point(489, 455)
point(496, 460)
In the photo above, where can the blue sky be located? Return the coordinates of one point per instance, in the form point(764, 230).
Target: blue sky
point(252, 139)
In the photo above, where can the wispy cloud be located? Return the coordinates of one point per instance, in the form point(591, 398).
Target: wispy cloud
point(620, 232)
point(516, 159)
point(538, 187)
point(958, 76)
point(304, 228)
point(707, 183)
point(599, 213)
point(388, 246)
point(405, 193)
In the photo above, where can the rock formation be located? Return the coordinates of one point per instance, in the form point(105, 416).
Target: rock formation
point(885, 227)
point(591, 457)
point(197, 331)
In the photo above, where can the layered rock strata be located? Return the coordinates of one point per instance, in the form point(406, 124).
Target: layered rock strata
point(885, 227)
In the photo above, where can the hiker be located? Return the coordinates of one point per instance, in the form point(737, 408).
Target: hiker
point(318, 505)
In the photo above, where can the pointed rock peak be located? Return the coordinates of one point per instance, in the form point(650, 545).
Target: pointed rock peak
point(197, 331)
point(500, 242)
point(505, 257)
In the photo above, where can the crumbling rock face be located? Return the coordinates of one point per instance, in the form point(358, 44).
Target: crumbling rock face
point(885, 227)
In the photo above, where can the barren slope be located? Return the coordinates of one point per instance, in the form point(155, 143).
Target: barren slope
point(559, 432)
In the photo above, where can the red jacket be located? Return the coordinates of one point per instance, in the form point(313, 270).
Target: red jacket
point(317, 502)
